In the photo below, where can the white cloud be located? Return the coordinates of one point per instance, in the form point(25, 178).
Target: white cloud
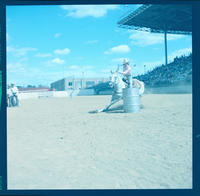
point(17, 66)
point(58, 61)
point(91, 42)
point(87, 67)
point(174, 37)
point(10, 49)
point(86, 74)
point(20, 51)
point(118, 49)
point(62, 52)
point(43, 55)
point(118, 60)
point(57, 35)
point(141, 38)
point(79, 11)
point(109, 68)
point(80, 68)
point(177, 53)
point(105, 71)
point(74, 67)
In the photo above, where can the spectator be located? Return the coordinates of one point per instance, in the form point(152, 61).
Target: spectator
point(15, 92)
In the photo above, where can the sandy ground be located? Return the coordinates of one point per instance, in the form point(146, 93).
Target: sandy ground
point(55, 143)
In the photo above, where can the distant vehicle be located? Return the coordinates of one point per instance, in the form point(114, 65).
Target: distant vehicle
point(104, 86)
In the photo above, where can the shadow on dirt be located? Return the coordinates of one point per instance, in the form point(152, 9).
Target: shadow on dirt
point(118, 109)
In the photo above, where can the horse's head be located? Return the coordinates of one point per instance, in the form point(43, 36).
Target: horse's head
point(115, 80)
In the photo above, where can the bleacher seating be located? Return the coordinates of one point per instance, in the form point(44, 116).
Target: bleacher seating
point(180, 70)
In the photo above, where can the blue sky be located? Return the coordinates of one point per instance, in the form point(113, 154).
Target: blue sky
point(47, 43)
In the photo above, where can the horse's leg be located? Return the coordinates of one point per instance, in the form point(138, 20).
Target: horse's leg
point(109, 105)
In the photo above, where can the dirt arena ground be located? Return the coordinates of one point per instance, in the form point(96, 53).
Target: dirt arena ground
point(56, 143)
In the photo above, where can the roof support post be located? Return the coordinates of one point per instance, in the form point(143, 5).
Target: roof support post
point(165, 35)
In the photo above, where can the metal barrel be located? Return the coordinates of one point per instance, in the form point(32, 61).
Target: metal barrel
point(131, 100)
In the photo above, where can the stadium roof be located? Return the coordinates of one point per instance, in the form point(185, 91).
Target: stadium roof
point(176, 19)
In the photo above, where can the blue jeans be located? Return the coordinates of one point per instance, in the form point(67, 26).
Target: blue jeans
point(129, 78)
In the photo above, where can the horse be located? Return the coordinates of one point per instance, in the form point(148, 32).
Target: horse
point(118, 85)
point(138, 84)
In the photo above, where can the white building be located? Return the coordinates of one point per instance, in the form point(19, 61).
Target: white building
point(76, 83)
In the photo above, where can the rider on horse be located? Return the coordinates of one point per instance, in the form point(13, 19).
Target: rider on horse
point(127, 72)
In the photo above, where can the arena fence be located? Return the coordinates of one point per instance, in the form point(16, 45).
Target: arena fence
point(48, 94)
point(176, 89)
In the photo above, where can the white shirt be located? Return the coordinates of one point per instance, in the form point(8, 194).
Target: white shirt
point(14, 90)
point(9, 92)
point(127, 70)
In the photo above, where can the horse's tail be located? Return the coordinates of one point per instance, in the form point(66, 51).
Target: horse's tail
point(140, 85)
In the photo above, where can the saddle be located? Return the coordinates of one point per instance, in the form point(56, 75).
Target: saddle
point(126, 81)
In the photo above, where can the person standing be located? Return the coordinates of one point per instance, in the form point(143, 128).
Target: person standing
point(15, 92)
point(9, 96)
point(127, 73)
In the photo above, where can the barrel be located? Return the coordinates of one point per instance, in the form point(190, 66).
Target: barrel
point(131, 100)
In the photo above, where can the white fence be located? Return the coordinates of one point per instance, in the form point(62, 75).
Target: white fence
point(68, 93)
point(32, 95)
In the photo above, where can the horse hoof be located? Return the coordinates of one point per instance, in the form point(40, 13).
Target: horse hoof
point(93, 112)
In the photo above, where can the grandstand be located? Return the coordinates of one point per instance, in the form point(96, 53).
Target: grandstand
point(176, 19)
point(177, 72)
